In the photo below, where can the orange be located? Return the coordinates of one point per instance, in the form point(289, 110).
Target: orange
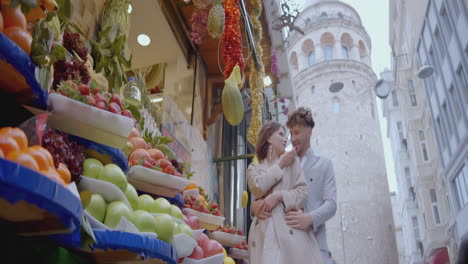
point(39, 157)
point(20, 137)
point(24, 159)
point(13, 17)
point(5, 130)
point(191, 186)
point(64, 173)
point(46, 153)
point(20, 36)
point(8, 144)
point(52, 174)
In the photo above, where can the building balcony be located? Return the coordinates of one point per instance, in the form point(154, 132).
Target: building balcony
point(434, 238)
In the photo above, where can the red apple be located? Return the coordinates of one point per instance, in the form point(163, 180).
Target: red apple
point(193, 222)
point(212, 248)
point(197, 253)
point(156, 154)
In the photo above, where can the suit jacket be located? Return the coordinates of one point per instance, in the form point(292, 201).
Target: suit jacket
point(321, 200)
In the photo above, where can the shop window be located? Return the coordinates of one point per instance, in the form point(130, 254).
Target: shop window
point(435, 206)
point(423, 146)
point(460, 186)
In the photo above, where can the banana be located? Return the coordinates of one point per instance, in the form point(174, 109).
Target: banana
point(245, 199)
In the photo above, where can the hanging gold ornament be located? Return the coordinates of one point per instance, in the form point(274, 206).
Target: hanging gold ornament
point(256, 75)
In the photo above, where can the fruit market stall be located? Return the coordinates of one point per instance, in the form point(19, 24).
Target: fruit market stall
point(102, 157)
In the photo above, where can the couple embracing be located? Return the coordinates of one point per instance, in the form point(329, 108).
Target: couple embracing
point(294, 193)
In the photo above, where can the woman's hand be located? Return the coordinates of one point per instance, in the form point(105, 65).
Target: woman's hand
point(287, 158)
point(272, 200)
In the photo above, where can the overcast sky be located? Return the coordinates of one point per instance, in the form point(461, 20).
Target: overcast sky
point(374, 16)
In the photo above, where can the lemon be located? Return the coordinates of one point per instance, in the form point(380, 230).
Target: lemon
point(245, 199)
point(224, 252)
point(228, 260)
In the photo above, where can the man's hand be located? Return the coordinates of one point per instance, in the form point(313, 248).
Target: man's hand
point(272, 200)
point(298, 219)
point(287, 158)
point(258, 209)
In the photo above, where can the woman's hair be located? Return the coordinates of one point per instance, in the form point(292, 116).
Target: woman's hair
point(302, 116)
point(267, 130)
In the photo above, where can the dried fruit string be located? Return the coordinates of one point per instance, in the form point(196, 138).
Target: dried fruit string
point(232, 50)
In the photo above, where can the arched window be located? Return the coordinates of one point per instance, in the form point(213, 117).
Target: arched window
point(308, 21)
point(344, 52)
point(328, 52)
point(340, 15)
point(362, 49)
point(327, 41)
point(312, 90)
point(324, 15)
point(336, 105)
point(311, 58)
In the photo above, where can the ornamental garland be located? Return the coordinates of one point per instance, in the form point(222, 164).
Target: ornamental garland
point(199, 22)
point(256, 76)
point(232, 52)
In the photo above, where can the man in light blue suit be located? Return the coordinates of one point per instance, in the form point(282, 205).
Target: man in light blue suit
point(320, 177)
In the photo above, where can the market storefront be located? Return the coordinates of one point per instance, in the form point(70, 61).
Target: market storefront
point(115, 142)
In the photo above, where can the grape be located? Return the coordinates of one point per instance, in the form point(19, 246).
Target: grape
point(64, 150)
point(72, 42)
point(73, 69)
point(178, 166)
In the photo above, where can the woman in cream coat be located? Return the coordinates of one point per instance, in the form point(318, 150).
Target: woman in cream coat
point(279, 180)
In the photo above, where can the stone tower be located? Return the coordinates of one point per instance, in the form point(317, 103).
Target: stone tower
point(336, 49)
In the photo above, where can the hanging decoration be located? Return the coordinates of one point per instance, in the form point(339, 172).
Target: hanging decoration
point(216, 20)
point(233, 106)
point(256, 75)
point(274, 64)
point(199, 23)
point(232, 51)
point(201, 4)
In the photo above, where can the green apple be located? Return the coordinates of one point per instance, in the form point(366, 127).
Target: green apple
point(114, 174)
point(132, 196)
point(145, 203)
point(161, 206)
point(176, 212)
point(97, 207)
point(164, 227)
point(144, 221)
point(92, 168)
point(115, 211)
point(184, 228)
point(128, 148)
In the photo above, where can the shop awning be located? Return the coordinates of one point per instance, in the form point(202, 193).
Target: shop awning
point(440, 256)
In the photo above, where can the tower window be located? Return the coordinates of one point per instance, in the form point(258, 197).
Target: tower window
point(324, 15)
point(328, 52)
point(312, 90)
point(344, 52)
point(311, 58)
point(336, 105)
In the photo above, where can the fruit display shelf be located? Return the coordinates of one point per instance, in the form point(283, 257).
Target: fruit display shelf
point(88, 122)
point(18, 75)
point(226, 239)
point(176, 200)
point(35, 203)
point(156, 182)
point(113, 246)
point(105, 154)
point(236, 253)
point(207, 221)
point(216, 259)
point(109, 191)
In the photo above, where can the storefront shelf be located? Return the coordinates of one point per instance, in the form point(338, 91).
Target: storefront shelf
point(18, 75)
point(36, 204)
